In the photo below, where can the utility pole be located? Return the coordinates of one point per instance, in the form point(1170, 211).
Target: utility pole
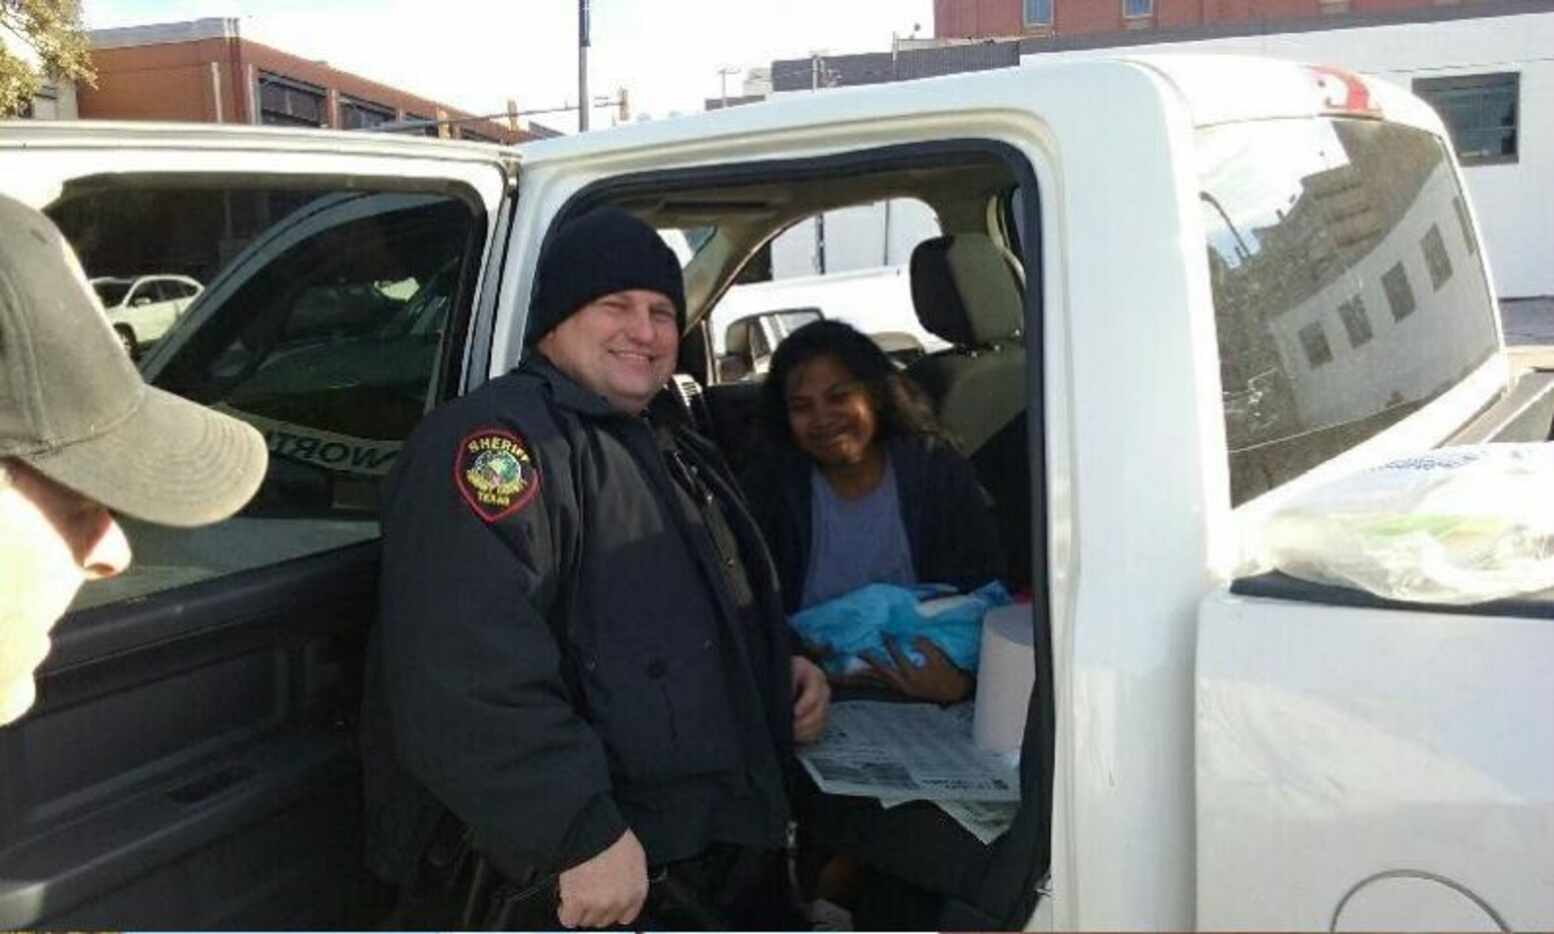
point(1242, 253)
point(885, 250)
point(723, 74)
point(815, 65)
point(895, 50)
point(583, 102)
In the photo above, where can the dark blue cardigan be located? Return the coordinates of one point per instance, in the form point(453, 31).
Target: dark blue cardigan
point(947, 515)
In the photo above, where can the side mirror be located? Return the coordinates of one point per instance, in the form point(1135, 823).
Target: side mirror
point(733, 368)
point(140, 300)
point(736, 338)
point(748, 343)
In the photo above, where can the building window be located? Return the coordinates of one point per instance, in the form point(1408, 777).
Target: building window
point(1314, 340)
point(1133, 9)
point(1355, 321)
point(467, 133)
point(1468, 240)
point(362, 115)
point(1435, 257)
point(1400, 295)
point(1480, 113)
point(1038, 13)
point(426, 126)
point(284, 102)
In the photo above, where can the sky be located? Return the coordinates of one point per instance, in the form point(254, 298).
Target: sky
point(475, 54)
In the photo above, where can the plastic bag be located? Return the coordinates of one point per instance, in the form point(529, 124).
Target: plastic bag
point(859, 622)
point(1457, 525)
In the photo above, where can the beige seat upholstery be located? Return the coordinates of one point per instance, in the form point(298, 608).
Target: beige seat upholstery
point(966, 292)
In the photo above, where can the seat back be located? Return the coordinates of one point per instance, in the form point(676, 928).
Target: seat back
point(965, 291)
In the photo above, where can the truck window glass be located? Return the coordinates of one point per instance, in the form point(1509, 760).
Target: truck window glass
point(321, 324)
point(1311, 224)
point(847, 263)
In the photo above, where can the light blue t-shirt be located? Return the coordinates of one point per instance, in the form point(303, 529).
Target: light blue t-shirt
point(855, 542)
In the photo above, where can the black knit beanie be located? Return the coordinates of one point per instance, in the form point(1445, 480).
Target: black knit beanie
point(604, 251)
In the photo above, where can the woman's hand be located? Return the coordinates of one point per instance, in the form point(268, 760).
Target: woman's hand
point(811, 697)
point(937, 679)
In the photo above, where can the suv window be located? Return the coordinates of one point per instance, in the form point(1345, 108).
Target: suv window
point(1304, 253)
point(143, 294)
point(161, 290)
point(175, 289)
point(111, 291)
point(321, 325)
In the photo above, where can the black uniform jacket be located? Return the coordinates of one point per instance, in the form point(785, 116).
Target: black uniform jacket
point(947, 515)
point(558, 657)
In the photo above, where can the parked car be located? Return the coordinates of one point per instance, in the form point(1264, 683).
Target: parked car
point(142, 308)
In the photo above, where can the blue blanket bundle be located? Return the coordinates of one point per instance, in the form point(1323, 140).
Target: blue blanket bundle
point(859, 622)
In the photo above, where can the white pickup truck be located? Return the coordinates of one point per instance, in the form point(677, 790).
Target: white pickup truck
point(1176, 293)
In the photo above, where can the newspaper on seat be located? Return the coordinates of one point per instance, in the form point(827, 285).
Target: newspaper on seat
point(899, 752)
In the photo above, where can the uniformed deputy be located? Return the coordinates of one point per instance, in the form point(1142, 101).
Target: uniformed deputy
point(581, 652)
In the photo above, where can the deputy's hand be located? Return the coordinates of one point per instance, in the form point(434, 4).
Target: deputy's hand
point(606, 890)
point(937, 679)
point(811, 697)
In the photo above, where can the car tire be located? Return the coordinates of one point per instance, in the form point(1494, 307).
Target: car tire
point(127, 340)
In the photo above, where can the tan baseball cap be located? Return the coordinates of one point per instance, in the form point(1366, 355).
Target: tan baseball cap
point(73, 406)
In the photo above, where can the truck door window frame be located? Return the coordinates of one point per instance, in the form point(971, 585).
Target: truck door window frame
point(442, 376)
point(1020, 859)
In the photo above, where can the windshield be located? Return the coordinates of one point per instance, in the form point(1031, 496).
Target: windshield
point(111, 291)
point(686, 241)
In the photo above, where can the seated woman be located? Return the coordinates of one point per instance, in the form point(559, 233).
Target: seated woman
point(863, 487)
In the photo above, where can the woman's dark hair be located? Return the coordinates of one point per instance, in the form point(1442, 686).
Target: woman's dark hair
point(900, 405)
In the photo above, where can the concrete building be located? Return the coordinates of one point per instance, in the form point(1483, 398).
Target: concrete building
point(1483, 64)
point(205, 71)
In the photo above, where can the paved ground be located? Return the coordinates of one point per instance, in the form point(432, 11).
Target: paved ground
point(1529, 330)
point(1528, 320)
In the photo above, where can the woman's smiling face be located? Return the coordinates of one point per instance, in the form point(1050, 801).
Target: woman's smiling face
point(830, 413)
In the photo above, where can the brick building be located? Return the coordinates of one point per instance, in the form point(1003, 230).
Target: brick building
point(205, 71)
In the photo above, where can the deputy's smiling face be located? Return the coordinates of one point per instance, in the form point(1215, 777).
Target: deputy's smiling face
point(622, 346)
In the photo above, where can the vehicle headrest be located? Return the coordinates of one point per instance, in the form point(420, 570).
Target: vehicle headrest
point(964, 290)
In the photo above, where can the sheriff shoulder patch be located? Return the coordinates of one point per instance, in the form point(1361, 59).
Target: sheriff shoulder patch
point(495, 473)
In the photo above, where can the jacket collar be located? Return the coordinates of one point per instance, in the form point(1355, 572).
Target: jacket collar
point(566, 391)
